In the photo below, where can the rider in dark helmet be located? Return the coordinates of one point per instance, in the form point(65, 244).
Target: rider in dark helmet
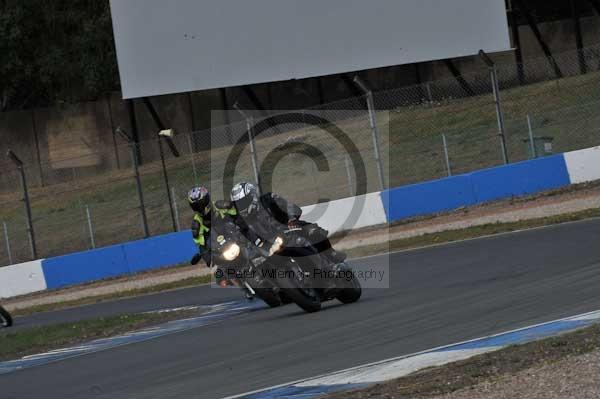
point(259, 212)
point(199, 200)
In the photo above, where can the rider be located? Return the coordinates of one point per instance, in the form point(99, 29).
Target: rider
point(199, 200)
point(259, 212)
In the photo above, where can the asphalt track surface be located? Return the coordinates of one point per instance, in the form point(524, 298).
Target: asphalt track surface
point(194, 296)
point(437, 296)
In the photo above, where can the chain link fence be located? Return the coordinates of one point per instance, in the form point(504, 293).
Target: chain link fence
point(424, 132)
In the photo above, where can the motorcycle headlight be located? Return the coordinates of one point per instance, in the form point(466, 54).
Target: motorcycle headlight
point(231, 252)
point(277, 244)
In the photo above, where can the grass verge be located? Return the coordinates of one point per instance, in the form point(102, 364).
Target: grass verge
point(188, 282)
point(470, 232)
point(442, 380)
point(23, 342)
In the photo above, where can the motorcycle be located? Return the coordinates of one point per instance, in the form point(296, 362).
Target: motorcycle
point(5, 318)
point(283, 269)
point(237, 261)
point(313, 279)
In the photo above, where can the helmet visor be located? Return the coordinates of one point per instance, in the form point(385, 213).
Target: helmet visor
point(242, 205)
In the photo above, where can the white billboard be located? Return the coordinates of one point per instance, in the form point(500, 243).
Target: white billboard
point(186, 45)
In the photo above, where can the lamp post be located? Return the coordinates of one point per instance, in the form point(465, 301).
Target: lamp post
point(167, 135)
point(375, 133)
point(498, 101)
point(138, 184)
point(249, 125)
point(19, 164)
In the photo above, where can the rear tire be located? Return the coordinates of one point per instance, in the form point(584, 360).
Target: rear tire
point(5, 318)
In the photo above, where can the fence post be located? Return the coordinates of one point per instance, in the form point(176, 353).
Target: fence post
point(373, 122)
point(175, 208)
point(90, 226)
point(498, 101)
point(531, 138)
point(7, 241)
point(349, 174)
point(428, 88)
point(446, 155)
point(138, 185)
point(19, 164)
point(249, 127)
point(189, 136)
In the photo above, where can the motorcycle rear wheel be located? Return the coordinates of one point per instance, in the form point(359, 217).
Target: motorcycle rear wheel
point(5, 318)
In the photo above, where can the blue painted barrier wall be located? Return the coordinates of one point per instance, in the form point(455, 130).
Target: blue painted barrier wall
point(522, 178)
point(117, 260)
point(404, 202)
point(426, 198)
point(486, 185)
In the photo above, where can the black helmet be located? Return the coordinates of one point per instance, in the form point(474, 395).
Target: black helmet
point(199, 199)
point(245, 198)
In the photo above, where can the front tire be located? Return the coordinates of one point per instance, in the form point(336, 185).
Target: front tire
point(285, 300)
point(351, 292)
point(305, 298)
point(269, 297)
point(5, 318)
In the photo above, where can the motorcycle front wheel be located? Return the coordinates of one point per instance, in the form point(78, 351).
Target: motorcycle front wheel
point(269, 297)
point(292, 286)
point(349, 289)
point(351, 292)
point(5, 318)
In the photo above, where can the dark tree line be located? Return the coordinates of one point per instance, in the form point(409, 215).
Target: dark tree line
point(55, 51)
point(554, 10)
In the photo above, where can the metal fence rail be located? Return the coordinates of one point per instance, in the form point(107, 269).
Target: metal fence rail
point(403, 136)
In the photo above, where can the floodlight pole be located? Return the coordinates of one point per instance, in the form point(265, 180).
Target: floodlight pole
point(249, 127)
point(165, 134)
point(19, 164)
point(166, 177)
point(375, 132)
point(498, 101)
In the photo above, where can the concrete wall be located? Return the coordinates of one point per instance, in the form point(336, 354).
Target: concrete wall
point(347, 213)
point(583, 165)
point(21, 279)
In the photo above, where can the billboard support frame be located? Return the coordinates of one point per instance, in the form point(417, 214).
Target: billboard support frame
point(516, 37)
point(459, 78)
point(538, 36)
point(575, 15)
